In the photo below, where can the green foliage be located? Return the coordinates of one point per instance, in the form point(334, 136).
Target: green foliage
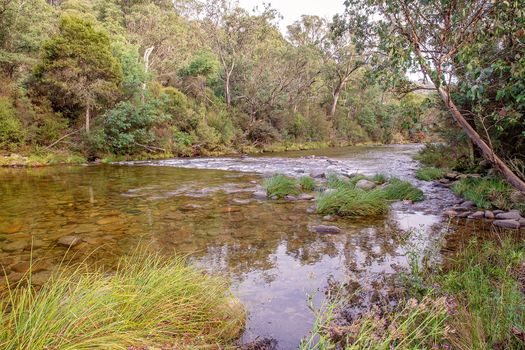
point(12, 132)
point(438, 156)
point(146, 301)
point(280, 186)
point(380, 178)
point(204, 64)
point(307, 183)
point(352, 202)
point(429, 173)
point(403, 190)
point(485, 192)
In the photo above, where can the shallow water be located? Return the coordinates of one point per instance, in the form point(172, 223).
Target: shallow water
point(203, 208)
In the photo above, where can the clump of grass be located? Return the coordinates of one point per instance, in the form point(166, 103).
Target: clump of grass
point(429, 173)
point(380, 178)
point(145, 302)
point(352, 202)
point(307, 183)
point(335, 181)
point(403, 190)
point(485, 192)
point(280, 186)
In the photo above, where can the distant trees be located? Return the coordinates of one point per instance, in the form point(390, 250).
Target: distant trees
point(78, 69)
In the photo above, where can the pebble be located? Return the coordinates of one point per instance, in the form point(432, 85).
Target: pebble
point(311, 210)
point(69, 241)
point(259, 195)
point(489, 215)
point(306, 197)
point(290, 198)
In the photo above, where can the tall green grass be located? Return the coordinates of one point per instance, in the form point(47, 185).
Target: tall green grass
point(280, 186)
point(145, 302)
point(403, 190)
point(429, 173)
point(352, 202)
point(307, 183)
point(485, 192)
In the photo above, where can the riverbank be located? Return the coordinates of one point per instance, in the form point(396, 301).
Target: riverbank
point(46, 157)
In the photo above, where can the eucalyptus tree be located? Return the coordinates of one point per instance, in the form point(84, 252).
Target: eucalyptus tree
point(440, 37)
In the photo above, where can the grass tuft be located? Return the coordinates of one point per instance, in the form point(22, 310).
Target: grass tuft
point(402, 190)
point(307, 183)
point(145, 302)
point(429, 173)
point(352, 202)
point(280, 186)
point(485, 192)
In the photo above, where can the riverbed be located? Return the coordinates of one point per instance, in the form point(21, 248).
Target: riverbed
point(203, 209)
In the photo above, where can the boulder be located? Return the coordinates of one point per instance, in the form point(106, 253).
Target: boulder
point(317, 174)
point(489, 215)
point(325, 229)
point(451, 176)
point(477, 215)
point(511, 224)
point(69, 241)
point(365, 184)
point(511, 215)
point(259, 195)
point(465, 214)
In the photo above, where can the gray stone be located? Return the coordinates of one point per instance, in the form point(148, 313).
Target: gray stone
point(325, 229)
point(444, 181)
point(317, 174)
point(477, 215)
point(468, 204)
point(465, 214)
point(290, 198)
point(451, 176)
point(512, 224)
point(328, 218)
point(311, 209)
point(522, 222)
point(489, 215)
point(511, 215)
point(450, 213)
point(305, 197)
point(365, 184)
point(69, 241)
point(259, 195)
point(517, 197)
point(240, 201)
point(497, 211)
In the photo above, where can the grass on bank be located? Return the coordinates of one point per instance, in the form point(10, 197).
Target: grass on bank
point(146, 302)
point(476, 302)
point(41, 158)
point(307, 183)
point(487, 193)
point(429, 173)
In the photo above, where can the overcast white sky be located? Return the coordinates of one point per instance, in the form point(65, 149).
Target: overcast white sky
point(292, 10)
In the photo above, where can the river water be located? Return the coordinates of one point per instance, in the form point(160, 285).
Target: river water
point(203, 209)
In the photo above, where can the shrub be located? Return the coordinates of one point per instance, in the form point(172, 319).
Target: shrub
point(307, 183)
point(352, 202)
point(280, 186)
point(403, 190)
point(145, 302)
point(12, 132)
point(429, 173)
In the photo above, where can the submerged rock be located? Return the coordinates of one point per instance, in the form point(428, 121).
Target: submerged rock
point(69, 241)
point(512, 224)
point(15, 246)
point(365, 184)
point(290, 198)
point(325, 229)
point(317, 174)
point(465, 214)
point(259, 195)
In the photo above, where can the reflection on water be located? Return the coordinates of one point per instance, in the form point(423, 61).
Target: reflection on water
point(209, 215)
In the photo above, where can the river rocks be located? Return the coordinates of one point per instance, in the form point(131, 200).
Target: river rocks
point(109, 220)
point(517, 197)
point(511, 215)
point(290, 198)
point(25, 266)
point(261, 195)
point(477, 215)
point(365, 184)
point(325, 229)
point(69, 241)
point(317, 174)
point(522, 222)
point(464, 214)
point(305, 197)
point(489, 215)
point(328, 218)
point(241, 201)
point(190, 207)
point(468, 204)
point(311, 210)
point(450, 213)
point(511, 224)
point(15, 246)
point(11, 228)
point(85, 228)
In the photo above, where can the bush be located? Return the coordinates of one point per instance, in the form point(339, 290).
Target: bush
point(280, 186)
point(146, 302)
point(12, 132)
point(439, 156)
point(352, 202)
point(307, 183)
point(403, 190)
point(429, 173)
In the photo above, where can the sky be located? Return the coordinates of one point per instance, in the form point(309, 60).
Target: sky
point(292, 10)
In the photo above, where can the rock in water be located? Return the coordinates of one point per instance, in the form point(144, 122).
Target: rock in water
point(511, 215)
point(317, 174)
point(512, 224)
point(259, 195)
point(365, 184)
point(489, 215)
point(69, 241)
point(451, 213)
point(477, 215)
point(325, 229)
point(305, 197)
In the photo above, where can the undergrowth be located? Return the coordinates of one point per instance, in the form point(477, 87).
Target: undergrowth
point(429, 173)
point(485, 192)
